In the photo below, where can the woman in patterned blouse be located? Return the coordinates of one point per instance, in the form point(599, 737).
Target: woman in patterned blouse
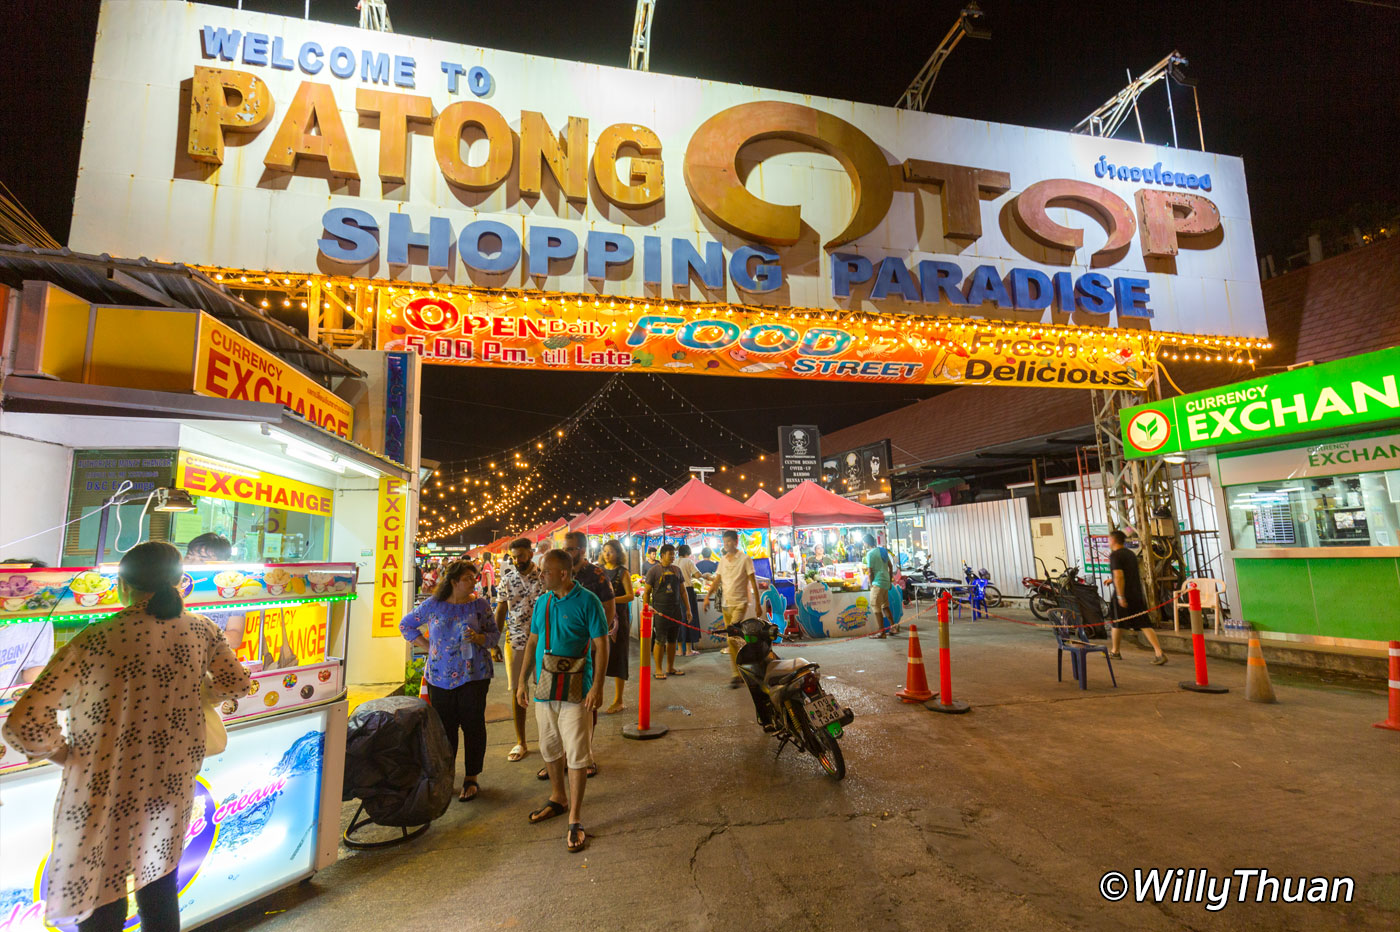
point(135, 742)
point(460, 634)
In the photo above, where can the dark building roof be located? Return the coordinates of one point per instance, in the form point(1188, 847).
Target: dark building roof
point(142, 282)
point(1340, 307)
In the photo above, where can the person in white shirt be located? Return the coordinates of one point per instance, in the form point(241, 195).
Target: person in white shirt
point(25, 649)
point(690, 636)
point(541, 549)
point(736, 579)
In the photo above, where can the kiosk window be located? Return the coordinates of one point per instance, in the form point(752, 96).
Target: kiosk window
point(1360, 510)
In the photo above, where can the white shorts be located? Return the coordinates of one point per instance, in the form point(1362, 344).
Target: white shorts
point(566, 730)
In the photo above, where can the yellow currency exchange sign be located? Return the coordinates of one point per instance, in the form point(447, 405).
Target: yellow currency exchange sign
point(229, 365)
point(203, 475)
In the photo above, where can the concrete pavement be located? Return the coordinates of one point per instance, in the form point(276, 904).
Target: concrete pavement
point(1004, 818)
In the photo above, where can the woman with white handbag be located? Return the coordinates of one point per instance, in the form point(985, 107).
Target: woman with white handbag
point(136, 738)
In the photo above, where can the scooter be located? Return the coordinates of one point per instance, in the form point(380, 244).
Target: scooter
point(979, 583)
point(788, 695)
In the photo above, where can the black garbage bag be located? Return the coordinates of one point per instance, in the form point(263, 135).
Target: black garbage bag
point(396, 761)
point(1091, 610)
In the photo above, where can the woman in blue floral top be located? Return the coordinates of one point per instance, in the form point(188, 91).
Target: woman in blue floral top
point(461, 631)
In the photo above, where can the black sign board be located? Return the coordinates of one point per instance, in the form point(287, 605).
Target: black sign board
point(799, 454)
point(862, 473)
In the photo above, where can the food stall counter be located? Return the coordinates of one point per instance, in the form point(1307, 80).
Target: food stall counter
point(267, 810)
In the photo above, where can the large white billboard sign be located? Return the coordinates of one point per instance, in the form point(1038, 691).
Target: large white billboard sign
point(242, 140)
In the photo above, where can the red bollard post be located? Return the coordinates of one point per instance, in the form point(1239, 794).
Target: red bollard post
point(644, 730)
point(944, 701)
point(1198, 648)
point(1392, 721)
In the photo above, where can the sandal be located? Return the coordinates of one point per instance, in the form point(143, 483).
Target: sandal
point(518, 752)
point(476, 790)
point(658, 676)
point(592, 771)
point(550, 810)
point(576, 829)
point(543, 774)
point(613, 709)
point(674, 673)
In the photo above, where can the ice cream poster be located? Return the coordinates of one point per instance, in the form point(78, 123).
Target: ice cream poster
point(252, 828)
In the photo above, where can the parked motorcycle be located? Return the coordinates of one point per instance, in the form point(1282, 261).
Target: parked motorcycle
point(1041, 594)
point(980, 580)
point(789, 696)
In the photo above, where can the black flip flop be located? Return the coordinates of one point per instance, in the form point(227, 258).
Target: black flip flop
point(543, 774)
point(592, 771)
point(466, 799)
point(550, 810)
point(582, 838)
point(675, 673)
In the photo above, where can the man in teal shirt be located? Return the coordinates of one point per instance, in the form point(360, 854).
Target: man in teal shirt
point(880, 583)
point(572, 619)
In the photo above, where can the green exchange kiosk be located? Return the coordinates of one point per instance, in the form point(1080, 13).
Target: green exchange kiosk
point(1305, 466)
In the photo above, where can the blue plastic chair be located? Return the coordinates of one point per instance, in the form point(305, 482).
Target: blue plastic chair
point(1071, 637)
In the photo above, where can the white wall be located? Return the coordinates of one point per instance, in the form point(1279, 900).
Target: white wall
point(991, 535)
point(34, 479)
point(1048, 541)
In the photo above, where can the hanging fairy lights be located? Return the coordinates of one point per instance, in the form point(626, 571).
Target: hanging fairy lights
point(627, 440)
point(637, 432)
point(872, 329)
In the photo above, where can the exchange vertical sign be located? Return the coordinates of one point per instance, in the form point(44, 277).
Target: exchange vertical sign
point(388, 559)
point(799, 454)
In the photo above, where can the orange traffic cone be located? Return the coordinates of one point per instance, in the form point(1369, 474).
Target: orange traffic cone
point(915, 682)
point(1257, 687)
point(423, 690)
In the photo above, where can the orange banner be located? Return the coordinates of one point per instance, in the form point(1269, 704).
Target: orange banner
point(609, 335)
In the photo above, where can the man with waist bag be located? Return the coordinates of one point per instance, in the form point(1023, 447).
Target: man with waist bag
point(569, 641)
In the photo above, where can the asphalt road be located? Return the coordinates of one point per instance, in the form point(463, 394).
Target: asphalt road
point(1004, 818)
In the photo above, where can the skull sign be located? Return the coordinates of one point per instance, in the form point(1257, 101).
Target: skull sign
point(798, 442)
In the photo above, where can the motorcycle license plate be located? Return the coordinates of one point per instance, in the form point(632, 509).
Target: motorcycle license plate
point(822, 711)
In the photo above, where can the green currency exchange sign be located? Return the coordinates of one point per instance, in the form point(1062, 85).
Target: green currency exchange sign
point(1347, 393)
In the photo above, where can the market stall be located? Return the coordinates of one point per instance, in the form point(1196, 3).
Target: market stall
point(698, 513)
point(286, 738)
point(284, 521)
point(830, 585)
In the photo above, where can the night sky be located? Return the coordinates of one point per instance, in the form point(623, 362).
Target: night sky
point(1303, 90)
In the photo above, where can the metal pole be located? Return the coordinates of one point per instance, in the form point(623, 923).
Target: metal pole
point(102, 533)
point(1136, 114)
point(1167, 83)
point(1199, 131)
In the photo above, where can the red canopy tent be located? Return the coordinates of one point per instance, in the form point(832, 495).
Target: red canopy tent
point(579, 520)
point(697, 505)
point(602, 522)
point(549, 529)
point(762, 501)
point(810, 505)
